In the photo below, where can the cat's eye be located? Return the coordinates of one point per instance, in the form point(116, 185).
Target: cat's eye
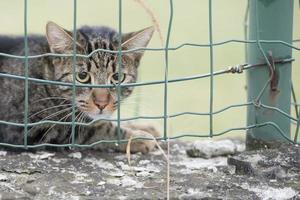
point(83, 77)
point(115, 78)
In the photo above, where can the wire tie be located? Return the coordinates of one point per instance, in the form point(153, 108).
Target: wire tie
point(240, 68)
point(257, 103)
point(236, 69)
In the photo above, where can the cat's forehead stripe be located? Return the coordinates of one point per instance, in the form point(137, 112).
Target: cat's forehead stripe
point(100, 59)
point(96, 44)
point(89, 48)
point(89, 66)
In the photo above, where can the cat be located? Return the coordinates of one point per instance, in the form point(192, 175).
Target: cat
point(54, 102)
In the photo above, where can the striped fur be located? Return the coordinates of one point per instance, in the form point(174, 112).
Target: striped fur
point(53, 102)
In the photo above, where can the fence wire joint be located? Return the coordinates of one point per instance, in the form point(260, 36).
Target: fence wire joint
point(237, 69)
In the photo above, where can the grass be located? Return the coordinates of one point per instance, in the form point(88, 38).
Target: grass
point(190, 25)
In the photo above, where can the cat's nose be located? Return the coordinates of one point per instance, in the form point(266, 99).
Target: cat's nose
point(101, 105)
point(100, 97)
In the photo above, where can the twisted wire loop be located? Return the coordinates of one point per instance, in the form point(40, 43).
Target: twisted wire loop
point(236, 69)
point(256, 103)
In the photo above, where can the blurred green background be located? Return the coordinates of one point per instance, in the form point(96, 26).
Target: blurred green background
point(190, 24)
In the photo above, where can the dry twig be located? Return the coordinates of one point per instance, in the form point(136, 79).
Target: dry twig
point(153, 18)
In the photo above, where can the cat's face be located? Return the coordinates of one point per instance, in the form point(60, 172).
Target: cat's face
point(102, 68)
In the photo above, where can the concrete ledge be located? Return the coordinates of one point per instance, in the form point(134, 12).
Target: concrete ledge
point(264, 174)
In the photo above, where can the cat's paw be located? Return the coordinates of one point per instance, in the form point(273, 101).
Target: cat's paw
point(146, 127)
point(145, 144)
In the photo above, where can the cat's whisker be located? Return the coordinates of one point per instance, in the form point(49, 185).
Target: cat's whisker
point(81, 120)
point(48, 130)
point(52, 115)
point(76, 118)
point(50, 98)
point(66, 100)
point(56, 113)
point(49, 108)
point(84, 116)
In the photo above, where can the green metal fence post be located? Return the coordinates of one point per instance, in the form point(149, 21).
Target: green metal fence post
point(270, 84)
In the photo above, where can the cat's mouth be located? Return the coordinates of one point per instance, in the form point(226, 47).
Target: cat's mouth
point(95, 112)
point(100, 114)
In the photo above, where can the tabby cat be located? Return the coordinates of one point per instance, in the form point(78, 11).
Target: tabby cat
point(54, 102)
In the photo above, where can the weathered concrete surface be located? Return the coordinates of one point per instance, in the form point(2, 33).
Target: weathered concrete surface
point(96, 175)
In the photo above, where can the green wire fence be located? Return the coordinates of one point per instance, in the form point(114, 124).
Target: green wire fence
point(234, 69)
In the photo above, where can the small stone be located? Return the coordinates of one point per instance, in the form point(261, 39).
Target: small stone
point(46, 155)
point(31, 189)
point(117, 174)
point(123, 166)
point(213, 169)
point(76, 155)
point(3, 153)
point(114, 181)
point(143, 174)
point(128, 181)
point(144, 162)
point(101, 183)
point(56, 160)
point(241, 166)
point(3, 178)
point(30, 180)
point(39, 156)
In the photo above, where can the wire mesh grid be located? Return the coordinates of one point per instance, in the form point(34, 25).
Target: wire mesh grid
point(234, 69)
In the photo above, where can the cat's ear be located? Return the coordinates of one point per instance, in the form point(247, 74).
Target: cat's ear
point(139, 39)
point(59, 39)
